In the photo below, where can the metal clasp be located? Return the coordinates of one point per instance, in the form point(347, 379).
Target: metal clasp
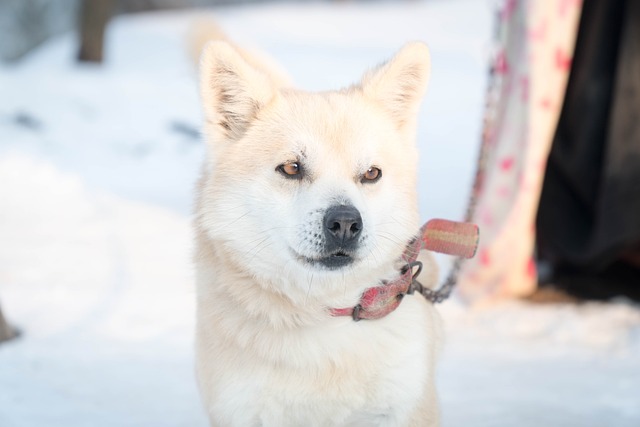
point(355, 314)
point(415, 285)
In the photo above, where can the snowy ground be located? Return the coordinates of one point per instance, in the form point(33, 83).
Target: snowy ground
point(96, 170)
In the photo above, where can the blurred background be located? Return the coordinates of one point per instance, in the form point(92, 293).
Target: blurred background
point(528, 129)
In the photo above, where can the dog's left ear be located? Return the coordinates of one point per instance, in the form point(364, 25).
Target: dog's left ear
point(399, 84)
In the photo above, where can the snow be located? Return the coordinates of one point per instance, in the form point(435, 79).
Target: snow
point(97, 166)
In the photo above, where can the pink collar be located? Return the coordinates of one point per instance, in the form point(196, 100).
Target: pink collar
point(437, 235)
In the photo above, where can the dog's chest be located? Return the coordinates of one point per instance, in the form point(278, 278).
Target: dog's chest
point(364, 374)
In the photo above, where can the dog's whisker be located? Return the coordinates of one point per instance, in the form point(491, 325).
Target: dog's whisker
point(373, 250)
point(258, 252)
point(260, 234)
point(388, 233)
point(227, 225)
point(308, 289)
point(259, 249)
point(261, 237)
point(387, 223)
point(392, 239)
point(238, 219)
point(393, 217)
point(254, 247)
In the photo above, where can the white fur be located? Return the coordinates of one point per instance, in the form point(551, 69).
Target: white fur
point(268, 351)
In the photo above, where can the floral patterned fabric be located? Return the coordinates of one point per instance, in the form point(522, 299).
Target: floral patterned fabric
point(529, 76)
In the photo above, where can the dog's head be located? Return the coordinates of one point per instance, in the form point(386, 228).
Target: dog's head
point(312, 186)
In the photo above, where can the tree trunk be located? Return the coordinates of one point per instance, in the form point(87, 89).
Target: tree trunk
point(94, 15)
point(6, 331)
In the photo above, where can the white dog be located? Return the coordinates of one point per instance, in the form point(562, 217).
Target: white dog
point(307, 202)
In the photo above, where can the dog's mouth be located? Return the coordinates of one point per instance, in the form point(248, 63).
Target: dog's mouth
point(333, 261)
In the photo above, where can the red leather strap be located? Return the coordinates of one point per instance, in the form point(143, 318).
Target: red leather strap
point(378, 301)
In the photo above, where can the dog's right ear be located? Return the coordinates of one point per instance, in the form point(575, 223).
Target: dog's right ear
point(232, 91)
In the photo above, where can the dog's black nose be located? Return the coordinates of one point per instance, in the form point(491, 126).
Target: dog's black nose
point(342, 225)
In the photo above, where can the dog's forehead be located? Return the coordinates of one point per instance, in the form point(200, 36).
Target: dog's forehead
point(335, 124)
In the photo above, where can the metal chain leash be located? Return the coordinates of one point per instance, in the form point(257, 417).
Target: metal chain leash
point(445, 289)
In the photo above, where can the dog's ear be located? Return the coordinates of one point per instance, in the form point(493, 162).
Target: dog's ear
point(232, 91)
point(399, 84)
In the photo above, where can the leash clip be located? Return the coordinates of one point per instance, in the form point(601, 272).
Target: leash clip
point(415, 285)
point(355, 314)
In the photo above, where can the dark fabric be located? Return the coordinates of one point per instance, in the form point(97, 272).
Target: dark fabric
point(589, 213)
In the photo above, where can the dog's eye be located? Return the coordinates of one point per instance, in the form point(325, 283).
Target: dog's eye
point(290, 170)
point(371, 175)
